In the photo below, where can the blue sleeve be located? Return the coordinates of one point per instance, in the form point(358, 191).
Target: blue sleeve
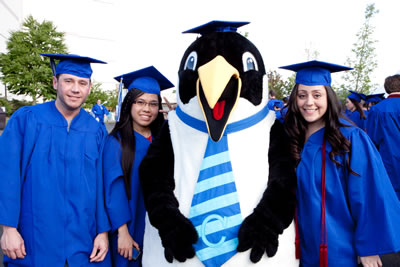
point(95, 110)
point(102, 220)
point(115, 194)
point(373, 202)
point(16, 145)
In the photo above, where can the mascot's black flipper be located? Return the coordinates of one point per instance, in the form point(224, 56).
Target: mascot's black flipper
point(259, 231)
point(157, 180)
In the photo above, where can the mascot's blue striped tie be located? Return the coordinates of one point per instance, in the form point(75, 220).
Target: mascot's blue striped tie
point(215, 210)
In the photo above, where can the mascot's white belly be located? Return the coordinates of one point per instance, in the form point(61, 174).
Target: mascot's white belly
point(248, 151)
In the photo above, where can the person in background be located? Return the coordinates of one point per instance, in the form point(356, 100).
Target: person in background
point(383, 128)
point(356, 113)
point(284, 109)
point(276, 105)
point(347, 210)
point(51, 188)
point(271, 94)
point(99, 111)
point(372, 100)
point(127, 144)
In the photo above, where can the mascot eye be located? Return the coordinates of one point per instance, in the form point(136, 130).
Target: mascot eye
point(191, 61)
point(249, 62)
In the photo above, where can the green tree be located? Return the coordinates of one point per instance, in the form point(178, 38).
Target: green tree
point(363, 60)
point(25, 71)
point(108, 98)
point(281, 87)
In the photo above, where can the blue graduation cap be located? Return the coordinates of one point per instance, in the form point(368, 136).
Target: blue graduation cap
point(315, 72)
point(356, 96)
point(275, 103)
point(218, 26)
point(148, 80)
point(375, 98)
point(72, 64)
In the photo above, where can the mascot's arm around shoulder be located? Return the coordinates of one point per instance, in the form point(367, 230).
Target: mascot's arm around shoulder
point(275, 212)
point(156, 171)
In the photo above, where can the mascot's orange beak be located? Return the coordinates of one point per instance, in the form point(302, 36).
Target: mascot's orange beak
point(218, 90)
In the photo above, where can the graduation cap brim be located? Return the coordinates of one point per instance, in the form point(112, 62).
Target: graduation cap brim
point(72, 64)
point(375, 98)
point(356, 95)
point(316, 64)
point(315, 72)
point(73, 57)
point(218, 26)
point(143, 80)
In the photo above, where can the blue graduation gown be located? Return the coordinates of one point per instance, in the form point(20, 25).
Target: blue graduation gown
point(51, 185)
point(119, 208)
point(362, 213)
point(356, 118)
point(383, 127)
point(99, 111)
point(282, 115)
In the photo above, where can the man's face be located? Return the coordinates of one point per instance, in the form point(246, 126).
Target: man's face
point(72, 90)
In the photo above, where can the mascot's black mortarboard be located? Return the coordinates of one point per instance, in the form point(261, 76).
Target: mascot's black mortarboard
point(72, 64)
point(148, 80)
point(218, 26)
point(315, 72)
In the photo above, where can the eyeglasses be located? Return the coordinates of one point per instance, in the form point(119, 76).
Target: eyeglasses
point(142, 104)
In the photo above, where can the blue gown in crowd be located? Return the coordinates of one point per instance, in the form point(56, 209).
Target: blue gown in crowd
point(282, 114)
point(120, 209)
point(383, 127)
point(362, 213)
point(356, 118)
point(99, 112)
point(51, 185)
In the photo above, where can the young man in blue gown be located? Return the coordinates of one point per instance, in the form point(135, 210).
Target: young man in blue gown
point(51, 190)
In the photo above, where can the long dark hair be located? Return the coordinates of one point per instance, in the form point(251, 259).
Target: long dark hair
point(296, 126)
point(123, 132)
point(358, 107)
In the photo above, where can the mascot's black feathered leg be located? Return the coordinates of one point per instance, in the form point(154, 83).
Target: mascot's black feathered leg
point(156, 174)
point(259, 231)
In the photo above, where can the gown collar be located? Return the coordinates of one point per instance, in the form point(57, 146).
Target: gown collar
point(230, 128)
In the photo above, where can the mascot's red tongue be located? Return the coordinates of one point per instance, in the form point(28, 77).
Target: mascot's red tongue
point(218, 110)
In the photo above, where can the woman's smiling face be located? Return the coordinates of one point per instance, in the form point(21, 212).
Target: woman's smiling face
point(312, 102)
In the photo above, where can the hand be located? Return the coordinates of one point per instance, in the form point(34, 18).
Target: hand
point(100, 248)
point(371, 261)
point(125, 242)
point(255, 235)
point(178, 239)
point(12, 244)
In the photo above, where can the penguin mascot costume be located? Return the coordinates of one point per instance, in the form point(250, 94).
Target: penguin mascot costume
point(218, 181)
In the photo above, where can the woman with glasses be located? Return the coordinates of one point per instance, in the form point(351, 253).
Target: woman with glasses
point(125, 147)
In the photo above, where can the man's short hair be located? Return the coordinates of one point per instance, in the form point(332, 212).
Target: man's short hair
point(392, 84)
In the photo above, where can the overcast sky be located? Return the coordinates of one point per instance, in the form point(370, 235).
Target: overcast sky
point(131, 34)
